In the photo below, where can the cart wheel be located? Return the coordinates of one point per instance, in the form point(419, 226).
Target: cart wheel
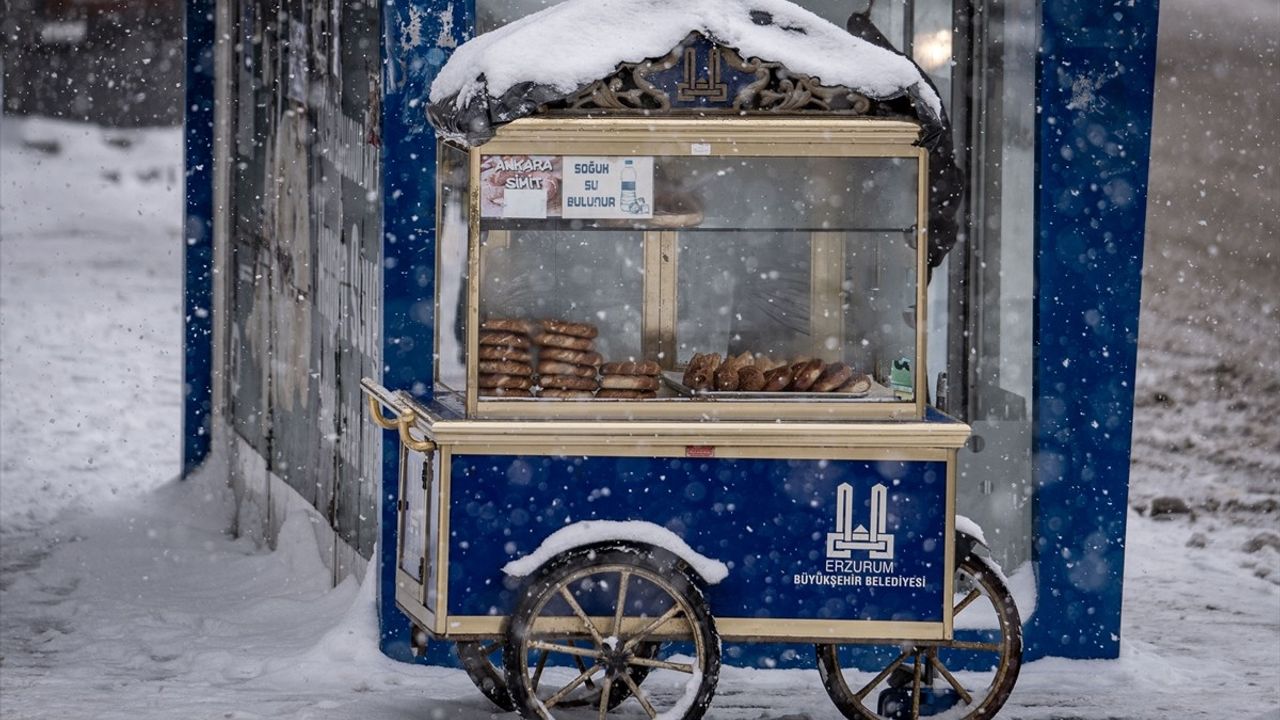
point(968, 677)
point(597, 621)
point(483, 662)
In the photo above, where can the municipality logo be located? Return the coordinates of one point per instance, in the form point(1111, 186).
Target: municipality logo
point(877, 540)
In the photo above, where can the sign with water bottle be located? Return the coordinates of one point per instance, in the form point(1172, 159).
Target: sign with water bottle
point(608, 187)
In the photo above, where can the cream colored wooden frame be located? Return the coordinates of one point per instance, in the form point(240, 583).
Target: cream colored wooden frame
point(753, 137)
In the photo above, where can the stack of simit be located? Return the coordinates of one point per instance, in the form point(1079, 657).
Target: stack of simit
point(567, 360)
point(506, 364)
point(630, 380)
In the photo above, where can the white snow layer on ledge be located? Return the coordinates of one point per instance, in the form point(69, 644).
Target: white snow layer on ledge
point(576, 42)
point(588, 532)
point(970, 528)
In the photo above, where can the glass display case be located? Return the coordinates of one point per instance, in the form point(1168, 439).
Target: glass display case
point(684, 269)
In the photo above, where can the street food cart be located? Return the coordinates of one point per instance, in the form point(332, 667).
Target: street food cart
point(679, 398)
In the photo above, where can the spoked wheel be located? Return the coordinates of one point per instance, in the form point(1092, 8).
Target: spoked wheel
point(483, 662)
point(598, 621)
point(969, 677)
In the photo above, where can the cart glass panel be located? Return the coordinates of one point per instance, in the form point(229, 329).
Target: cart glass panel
point(451, 272)
point(803, 269)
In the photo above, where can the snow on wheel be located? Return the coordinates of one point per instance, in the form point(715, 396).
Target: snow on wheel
point(969, 677)
point(596, 622)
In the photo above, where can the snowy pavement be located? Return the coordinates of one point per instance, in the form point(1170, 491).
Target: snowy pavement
point(123, 596)
point(145, 608)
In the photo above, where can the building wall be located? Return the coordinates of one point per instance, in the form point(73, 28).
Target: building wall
point(297, 272)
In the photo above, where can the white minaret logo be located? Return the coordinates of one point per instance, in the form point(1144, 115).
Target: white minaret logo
point(847, 538)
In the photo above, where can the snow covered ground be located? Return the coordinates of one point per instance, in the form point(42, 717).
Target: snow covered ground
point(122, 596)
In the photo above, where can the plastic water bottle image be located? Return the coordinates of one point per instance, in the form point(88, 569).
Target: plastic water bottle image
point(628, 199)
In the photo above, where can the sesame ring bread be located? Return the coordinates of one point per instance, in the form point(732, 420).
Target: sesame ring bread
point(505, 381)
point(505, 392)
point(577, 357)
point(561, 394)
point(504, 339)
point(505, 367)
point(632, 367)
point(726, 378)
point(700, 372)
point(698, 380)
point(551, 367)
point(857, 385)
point(777, 379)
point(629, 382)
point(750, 379)
point(566, 342)
point(805, 374)
point(564, 327)
point(567, 382)
point(494, 352)
point(693, 370)
point(766, 364)
point(612, 394)
point(833, 377)
point(524, 327)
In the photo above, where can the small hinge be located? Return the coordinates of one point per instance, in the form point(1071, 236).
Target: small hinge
point(422, 569)
point(402, 505)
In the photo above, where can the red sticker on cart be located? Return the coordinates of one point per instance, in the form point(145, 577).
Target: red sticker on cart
point(699, 451)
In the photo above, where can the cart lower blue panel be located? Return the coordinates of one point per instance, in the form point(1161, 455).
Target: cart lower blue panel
point(773, 522)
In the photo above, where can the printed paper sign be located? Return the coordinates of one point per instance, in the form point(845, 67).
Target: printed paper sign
point(608, 187)
point(519, 186)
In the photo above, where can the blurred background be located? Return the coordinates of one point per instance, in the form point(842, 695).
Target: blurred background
point(110, 62)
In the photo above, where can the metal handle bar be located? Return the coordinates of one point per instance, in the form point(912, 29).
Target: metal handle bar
point(404, 417)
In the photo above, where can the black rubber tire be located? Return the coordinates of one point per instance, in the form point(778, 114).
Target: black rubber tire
point(982, 571)
point(486, 675)
point(652, 564)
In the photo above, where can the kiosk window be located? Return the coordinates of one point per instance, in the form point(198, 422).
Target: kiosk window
point(779, 263)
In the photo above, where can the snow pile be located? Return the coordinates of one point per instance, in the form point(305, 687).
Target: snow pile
point(347, 653)
point(588, 532)
point(574, 43)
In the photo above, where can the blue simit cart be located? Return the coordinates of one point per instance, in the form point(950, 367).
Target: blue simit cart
point(680, 398)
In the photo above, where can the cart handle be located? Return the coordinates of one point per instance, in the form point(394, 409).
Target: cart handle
point(375, 411)
point(404, 419)
point(407, 418)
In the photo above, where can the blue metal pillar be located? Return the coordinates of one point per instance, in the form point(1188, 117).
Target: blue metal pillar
point(197, 287)
point(1094, 88)
point(418, 37)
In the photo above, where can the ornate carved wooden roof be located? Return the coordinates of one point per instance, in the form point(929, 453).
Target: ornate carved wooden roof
point(699, 76)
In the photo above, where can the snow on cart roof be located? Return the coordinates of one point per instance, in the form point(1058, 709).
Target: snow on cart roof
point(555, 52)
